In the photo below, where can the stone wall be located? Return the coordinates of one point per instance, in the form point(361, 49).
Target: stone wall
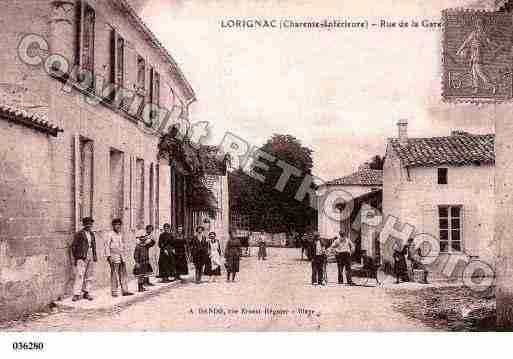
point(329, 227)
point(416, 202)
point(40, 191)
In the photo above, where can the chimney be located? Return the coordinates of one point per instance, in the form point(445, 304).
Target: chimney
point(402, 128)
point(459, 133)
point(364, 166)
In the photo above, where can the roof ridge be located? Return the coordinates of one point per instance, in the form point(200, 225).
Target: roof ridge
point(459, 150)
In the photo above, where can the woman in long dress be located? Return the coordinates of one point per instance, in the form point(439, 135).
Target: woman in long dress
point(213, 268)
point(232, 255)
point(166, 258)
point(180, 251)
point(400, 266)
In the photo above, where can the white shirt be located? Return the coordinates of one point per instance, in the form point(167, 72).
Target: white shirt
point(114, 246)
point(342, 246)
point(89, 240)
point(318, 248)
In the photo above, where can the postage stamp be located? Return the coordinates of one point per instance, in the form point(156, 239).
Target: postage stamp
point(476, 56)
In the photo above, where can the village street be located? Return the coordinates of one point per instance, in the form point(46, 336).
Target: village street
point(281, 283)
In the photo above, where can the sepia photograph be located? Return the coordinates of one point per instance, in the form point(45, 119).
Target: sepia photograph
point(274, 166)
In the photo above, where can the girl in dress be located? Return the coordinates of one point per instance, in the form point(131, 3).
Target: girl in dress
point(213, 268)
point(143, 269)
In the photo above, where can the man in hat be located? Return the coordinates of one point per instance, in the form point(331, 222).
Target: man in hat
point(317, 250)
point(83, 249)
point(115, 251)
point(343, 248)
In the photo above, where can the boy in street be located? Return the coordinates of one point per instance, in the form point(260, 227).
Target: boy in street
point(83, 249)
point(143, 268)
point(318, 251)
point(114, 251)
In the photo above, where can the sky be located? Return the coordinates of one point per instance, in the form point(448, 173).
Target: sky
point(340, 92)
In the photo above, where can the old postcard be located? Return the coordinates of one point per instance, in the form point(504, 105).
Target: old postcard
point(271, 165)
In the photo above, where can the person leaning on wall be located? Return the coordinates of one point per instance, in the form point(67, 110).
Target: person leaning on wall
point(83, 250)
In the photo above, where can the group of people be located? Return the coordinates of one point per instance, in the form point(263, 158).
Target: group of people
point(319, 250)
point(204, 252)
point(407, 258)
point(174, 255)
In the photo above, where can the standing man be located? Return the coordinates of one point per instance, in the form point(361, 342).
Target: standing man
point(317, 251)
point(83, 249)
point(114, 251)
point(343, 248)
point(180, 249)
point(200, 252)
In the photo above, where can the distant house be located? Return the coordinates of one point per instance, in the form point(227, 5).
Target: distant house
point(443, 186)
point(213, 216)
point(362, 186)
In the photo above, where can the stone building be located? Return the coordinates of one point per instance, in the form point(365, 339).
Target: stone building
point(72, 150)
point(359, 183)
point(353, 191)
point(443, 186)
point(213, 216)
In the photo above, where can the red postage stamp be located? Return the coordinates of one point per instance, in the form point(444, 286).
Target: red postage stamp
point(477, 56)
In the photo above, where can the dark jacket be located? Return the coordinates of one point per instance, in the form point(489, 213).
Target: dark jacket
point(312, 247)
point(200, 250)
point(80, 246)
point(232, 249)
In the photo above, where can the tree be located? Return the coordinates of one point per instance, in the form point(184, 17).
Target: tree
point(271, 209)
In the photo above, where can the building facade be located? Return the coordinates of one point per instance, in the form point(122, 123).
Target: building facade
point(444, 187)
point(357, 184)
point(98, 157)
point(214, 217)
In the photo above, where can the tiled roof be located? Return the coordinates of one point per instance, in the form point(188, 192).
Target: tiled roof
point(363, 177)
point(36, 121)
point(460, 149)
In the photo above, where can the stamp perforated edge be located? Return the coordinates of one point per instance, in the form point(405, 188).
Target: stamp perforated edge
point(468, 100)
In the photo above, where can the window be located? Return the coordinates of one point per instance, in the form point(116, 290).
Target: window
point(154, 91)
point(86, 178)
point(442, 175)
point(450, 228)
point(139, 193)
point(141, 74)
point(86, 22)
point(117, 59)
point(116, 183)
point(152, 194)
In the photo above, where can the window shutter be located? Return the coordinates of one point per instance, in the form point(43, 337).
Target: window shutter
point(469, 244)
point(132, 192)
point(130, 68)
point(76, 179)
point(88, 30)
point(430, 221)
point(156, 89)
point(79, 31)
point(113, 56)
point(119, 59)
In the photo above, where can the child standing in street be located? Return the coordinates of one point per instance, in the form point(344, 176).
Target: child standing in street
point(143, 267)
point(262, 248)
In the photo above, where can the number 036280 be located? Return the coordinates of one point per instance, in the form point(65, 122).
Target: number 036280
point(28, 345)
